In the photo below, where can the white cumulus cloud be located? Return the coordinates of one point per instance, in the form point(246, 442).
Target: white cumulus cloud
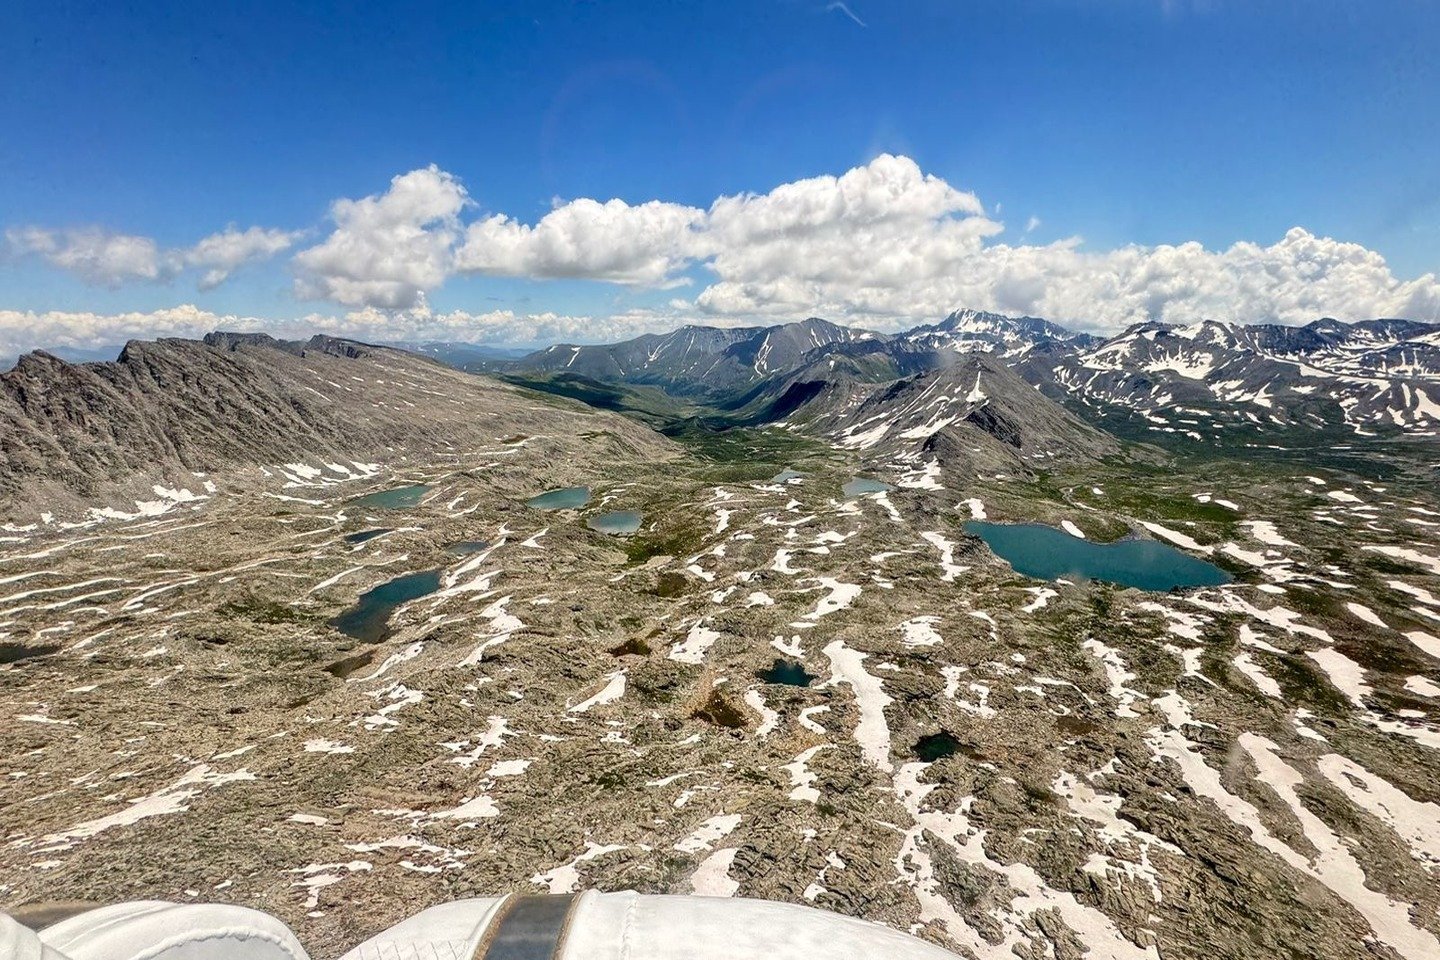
point(884, 244)
point(1296, 280)
point(22, 330)
point(641, 245)
point(220, 254)
point(853, 245)
point(109, 259)
point(388, 249)
point(97, 256)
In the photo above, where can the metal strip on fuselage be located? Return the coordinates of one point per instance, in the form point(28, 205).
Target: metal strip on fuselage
point(531, 928)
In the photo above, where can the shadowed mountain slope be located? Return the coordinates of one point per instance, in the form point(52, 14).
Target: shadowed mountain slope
point(695, 361)
point(973, 414)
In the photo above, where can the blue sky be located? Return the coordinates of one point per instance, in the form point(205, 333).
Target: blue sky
point(1119, 122)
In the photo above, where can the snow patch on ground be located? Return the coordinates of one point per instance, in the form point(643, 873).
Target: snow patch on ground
point(709, 833)
point(1043, 596)
point(1031, 894)
point(800, 776)
point(1265, 532)
point(697, 641)
point(1426, 642)
point(613, 690)
point(920, 632)
point(1119, 676)
point(1422, 686)
point(1175, 537)
point(1365, 613)
point(1246, 664)
point(1336, 866)
point(769, 719)
point(1411, 556)
point(566, 877)
point(872, 733)
point(168, 800)
point(949, 569)
point(1345, 674)
point(841, 595)
point(712, 877)
point(1416, 822)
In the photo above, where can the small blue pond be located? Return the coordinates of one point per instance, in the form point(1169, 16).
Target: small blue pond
point(396, 498)
point(567, 498)
point(785, 476)
point(1047, 553)
point(466, 547)
point(622, 522)
point(858, 486)
point(786, 672)
point(369, 619)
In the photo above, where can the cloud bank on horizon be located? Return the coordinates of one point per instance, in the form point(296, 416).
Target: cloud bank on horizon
point(883, 245)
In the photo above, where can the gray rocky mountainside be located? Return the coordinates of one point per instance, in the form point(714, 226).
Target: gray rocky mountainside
point(971, 415)
point(1206, 379)
point(706, 361)
point(169, 410)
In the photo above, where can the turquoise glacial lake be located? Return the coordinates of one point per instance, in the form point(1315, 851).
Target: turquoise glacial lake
point(396, 498)
point(1048, 553)
point(621, 522)
point(369, 619)
point(566, 498)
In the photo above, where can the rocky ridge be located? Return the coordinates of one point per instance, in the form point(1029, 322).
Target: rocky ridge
point(169, 415)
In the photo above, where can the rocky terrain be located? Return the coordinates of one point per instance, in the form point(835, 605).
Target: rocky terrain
point(771, 689)
point(158, 421)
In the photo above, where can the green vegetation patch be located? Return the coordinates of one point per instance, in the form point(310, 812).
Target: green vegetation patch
point(647, 404)
point(261, 610)
point(748, 455)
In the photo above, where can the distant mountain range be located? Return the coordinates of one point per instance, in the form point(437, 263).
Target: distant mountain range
point(1205, 382)
point(460, 354)
point(166, 415)
point(1376, 376)
point(697, 361)
point(941, 395)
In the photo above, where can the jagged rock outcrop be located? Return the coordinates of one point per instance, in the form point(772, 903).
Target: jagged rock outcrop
point(169, 409)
